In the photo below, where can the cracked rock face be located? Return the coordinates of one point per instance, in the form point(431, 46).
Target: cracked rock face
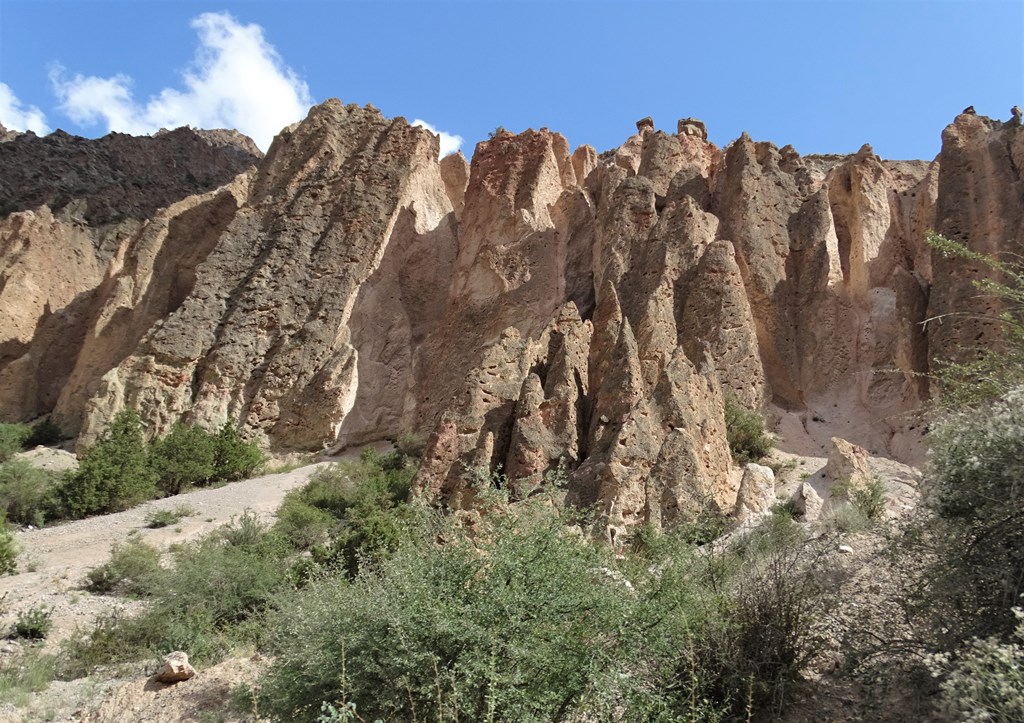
point(570, 320)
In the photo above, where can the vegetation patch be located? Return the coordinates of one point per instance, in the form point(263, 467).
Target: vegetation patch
point(23, 675)
point(8, 548)
point(113, 474)
point(27, 493)
point(12, 439)
point(167, 517)
point(748, 438)
point(121, 470)
point(132, 569)
point(33, 624)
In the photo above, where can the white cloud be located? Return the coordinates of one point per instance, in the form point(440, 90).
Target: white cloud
point(18, 117)
point(237, 80)
point(449, 142)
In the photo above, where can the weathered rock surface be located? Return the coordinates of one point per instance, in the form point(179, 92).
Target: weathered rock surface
point(175, 669)
point(70, 211)
point(756, 494)
point(545, 318)
point(848, 463)
point(980, 187)
point(268, 332)
point(117, 176)
point(807, 503)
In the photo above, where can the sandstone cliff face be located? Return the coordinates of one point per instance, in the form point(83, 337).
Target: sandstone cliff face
point(980, 187)
point(70, 210)
point(267, 333)
point(546, 318)
point(684, 274)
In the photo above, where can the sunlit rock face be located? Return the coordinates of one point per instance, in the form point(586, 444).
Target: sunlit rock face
point(546, 317)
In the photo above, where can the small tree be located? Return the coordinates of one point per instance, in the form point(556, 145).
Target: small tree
point(186, 456)
point(234, 458)
point(114, 473)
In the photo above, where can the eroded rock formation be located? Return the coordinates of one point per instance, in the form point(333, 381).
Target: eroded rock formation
point(72, 213)
point(545, 318)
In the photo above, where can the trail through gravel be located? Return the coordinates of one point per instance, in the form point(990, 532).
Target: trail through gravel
point(53, 561)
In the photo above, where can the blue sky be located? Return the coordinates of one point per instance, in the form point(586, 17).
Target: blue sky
point(826, 76)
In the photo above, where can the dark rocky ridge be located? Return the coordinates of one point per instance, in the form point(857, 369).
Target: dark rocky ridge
point(118, 176)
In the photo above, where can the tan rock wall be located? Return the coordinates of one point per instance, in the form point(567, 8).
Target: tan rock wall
point(543, 317)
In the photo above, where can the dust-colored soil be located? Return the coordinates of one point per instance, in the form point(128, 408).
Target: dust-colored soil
point(144, 701)
point(53, 560)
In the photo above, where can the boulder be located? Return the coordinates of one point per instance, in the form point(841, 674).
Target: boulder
point(692, 127)
point(848, 462)
point(756, 494)
point(175, 669)
point(807, 503)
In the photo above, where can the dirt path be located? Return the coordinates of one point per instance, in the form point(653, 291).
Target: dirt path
point(52, 565)
point(53, 561)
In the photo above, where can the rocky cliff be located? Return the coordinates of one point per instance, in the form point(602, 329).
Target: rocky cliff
point(573, 319)
point(72, 211)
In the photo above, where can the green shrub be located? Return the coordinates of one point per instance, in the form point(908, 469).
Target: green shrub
point(367, 500)
point(44, 432)
point(521, 620)
point(26, 492)
point(12, 439)
point(845, 518)
point(33, 624)
point(22, 675)
point(185, 457)
point(8, 548)
point(516, 631)
point(167, 517)
point(975, 492)
point(985, 681)
point(867, 499)
point(224, 583)
point(370, 534)
point(208, 601)
point(870, 499)
point(120, 470)
point(303, 525)
point(234, 458)
point(114, 473)
point(333, 488)
point(133, 569)
point(745, 429)
point(247, 531)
